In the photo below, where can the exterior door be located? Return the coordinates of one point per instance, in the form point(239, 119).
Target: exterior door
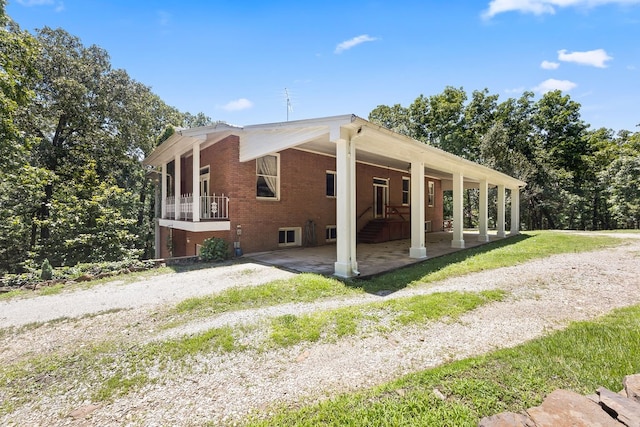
point(205, 205)
point(380, 197)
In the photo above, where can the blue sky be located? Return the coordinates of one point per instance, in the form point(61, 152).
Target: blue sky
point(233, 59)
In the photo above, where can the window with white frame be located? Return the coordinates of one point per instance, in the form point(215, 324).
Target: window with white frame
point(289, 236)
point(331, 233)
point(406, 191)
point(331, 184)
point(432, 194)
point(267, 173)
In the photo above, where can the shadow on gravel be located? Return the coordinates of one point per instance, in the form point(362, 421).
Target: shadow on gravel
point(394, 280)
point(195, 264)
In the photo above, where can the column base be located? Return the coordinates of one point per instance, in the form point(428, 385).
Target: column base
point(483, 238)
point(418, 253)
point(458, 244)
point(514, 233)
point(502, 234)
point(345, 270)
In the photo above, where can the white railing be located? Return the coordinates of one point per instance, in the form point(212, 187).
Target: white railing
point(211, 207)
point(214, 207)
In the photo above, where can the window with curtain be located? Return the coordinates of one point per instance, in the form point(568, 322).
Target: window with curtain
point(267, 177)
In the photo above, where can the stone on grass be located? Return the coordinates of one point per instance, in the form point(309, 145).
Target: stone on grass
point(83, 411)
point(632, 386)
point(563, 408)
point(625, 410)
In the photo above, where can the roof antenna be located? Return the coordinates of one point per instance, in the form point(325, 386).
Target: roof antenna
point(289, 106)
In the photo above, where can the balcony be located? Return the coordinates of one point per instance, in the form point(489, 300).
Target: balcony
point(214, 213)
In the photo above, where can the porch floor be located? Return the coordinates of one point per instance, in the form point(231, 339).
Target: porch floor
point(373, 258)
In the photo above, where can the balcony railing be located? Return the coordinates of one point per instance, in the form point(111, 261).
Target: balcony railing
point(211, 207)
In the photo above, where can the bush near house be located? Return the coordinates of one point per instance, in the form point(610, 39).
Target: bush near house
point(214, 249)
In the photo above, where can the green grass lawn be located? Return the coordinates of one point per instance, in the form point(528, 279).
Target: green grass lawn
point(582, 357)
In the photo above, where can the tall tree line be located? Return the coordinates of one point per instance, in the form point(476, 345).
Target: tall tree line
point(577, 178)
point(73, 132)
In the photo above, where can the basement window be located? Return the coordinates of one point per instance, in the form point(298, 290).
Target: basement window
point(289, 236)
point(331, 233)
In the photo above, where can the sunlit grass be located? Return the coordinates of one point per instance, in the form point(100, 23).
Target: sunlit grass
point(581, 358)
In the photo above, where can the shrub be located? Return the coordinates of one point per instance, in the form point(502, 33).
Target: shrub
point(214, 249)
point(47, 270)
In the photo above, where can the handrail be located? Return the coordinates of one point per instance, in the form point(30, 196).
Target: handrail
point(364, 212)
point(398, 210)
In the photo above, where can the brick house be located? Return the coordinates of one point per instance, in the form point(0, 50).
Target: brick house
point(335, 180)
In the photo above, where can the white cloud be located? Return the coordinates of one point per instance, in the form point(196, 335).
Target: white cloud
point(595, 58)
point(553, 84)
point(28, 3)
point(548, 65)
point(238, 105)
point(348, 44)
point(541, 7)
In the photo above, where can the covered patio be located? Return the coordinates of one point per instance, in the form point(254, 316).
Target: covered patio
point(353, 140)
point(373, 258)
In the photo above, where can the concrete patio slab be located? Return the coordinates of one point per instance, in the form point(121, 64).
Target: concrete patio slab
point(373, 258)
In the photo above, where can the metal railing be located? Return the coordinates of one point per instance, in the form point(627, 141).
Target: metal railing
point(211, 207)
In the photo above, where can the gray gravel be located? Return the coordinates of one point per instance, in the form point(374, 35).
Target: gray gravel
point(151, 292)
point(544, 295)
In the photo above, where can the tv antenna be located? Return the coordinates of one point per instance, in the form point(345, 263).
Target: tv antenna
point(289, 106)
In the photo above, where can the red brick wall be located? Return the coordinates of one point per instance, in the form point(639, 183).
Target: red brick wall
point(302, 198)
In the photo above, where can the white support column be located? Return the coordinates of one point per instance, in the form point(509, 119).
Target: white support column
point(515, 211)
point(458, 220)
point(418, 249)
point(346, 265)
point(163, 191)
point(500, 222)
point(483, 219)
point(196, 182)
point(176, 184)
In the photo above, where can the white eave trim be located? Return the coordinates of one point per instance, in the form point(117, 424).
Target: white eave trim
point(196, 227)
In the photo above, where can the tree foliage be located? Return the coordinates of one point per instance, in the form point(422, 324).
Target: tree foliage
point(73, 132)
point(576, 178)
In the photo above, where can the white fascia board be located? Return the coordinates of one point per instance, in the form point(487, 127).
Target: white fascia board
point(206, 130)
point(196, 227)
point(161, 151)
point(181, 144)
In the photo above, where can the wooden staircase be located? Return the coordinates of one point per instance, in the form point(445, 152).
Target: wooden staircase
point(372, 232)
point(383, 230)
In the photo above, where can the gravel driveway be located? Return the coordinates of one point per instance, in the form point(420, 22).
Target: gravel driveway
point(543, 295)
